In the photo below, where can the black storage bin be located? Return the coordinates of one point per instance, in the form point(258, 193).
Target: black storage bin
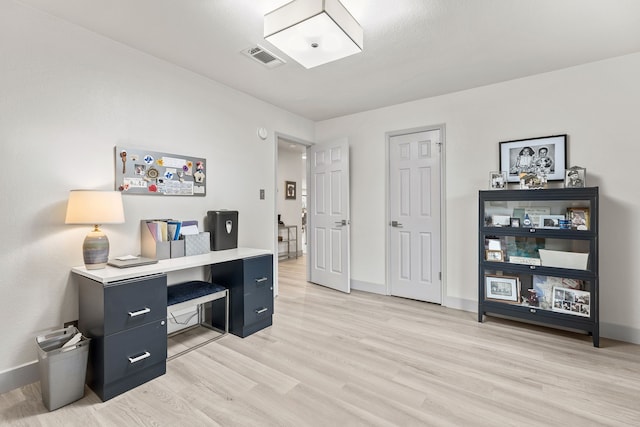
point(223, 226)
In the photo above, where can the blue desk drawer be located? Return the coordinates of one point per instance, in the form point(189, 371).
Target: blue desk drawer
point(132, 303)
point(131, 352)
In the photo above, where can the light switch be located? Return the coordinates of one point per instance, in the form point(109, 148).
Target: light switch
point(262, 194)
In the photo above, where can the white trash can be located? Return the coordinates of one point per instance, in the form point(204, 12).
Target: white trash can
point(62, 368)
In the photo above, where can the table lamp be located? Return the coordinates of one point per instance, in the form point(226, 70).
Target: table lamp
point(97, 208)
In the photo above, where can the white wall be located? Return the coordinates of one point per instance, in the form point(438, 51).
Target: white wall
point(596, 105)
point(67, 97)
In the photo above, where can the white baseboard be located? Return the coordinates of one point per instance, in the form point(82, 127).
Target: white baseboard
point(368, 287)
point(460, 304)
point(19, 376)
point(619, 333)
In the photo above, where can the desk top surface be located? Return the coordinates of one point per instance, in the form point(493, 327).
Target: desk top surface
point(113, 274)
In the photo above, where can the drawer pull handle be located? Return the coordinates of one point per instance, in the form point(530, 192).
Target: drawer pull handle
point(262, 310)
point(262, 279)
point(143, 356)
point(139, 312)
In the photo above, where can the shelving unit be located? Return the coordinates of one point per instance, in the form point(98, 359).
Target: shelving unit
point(289, 234)
point(537, 271)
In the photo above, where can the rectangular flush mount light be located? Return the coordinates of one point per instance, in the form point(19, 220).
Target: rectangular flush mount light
point(314, 32)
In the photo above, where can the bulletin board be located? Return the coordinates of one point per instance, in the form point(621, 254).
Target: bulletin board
point(141, 171)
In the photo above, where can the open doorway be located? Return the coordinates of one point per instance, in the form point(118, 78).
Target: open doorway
point(291, 199)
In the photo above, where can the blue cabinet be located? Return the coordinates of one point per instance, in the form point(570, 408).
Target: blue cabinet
point(250, 284)
point(127, 323)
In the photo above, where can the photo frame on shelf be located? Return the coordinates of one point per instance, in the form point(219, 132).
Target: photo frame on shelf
point(578, 218)
point(500, 220)
point(575, 177)
point(571, 301)
point(502, 288)
point(290, 190)
point(551, 221)
point(538, 156)
point(492, 255)
point(515, 222)
point(493, 243)
point(498, 180)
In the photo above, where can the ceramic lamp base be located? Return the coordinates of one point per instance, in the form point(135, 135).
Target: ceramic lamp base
point(95, 250)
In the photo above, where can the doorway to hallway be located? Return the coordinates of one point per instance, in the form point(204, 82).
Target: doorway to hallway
point(291, 203)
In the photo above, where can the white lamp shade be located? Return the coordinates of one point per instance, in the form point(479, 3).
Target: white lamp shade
point(94, 207)
point(313, 32)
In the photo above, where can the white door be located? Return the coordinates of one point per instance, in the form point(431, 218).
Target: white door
point(414, 215)
point(328, 199)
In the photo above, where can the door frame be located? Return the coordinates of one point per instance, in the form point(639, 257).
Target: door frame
point(277, 136)
point(443, 218)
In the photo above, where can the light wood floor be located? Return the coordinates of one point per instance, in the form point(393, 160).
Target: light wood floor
point(332, 359)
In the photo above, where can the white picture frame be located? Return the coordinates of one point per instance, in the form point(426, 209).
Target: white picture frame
point(502, 288)
point(575, 177)
point(571, 301)
point(501, 220)
point(498, 180)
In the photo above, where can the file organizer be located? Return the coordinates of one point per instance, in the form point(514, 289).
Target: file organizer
point(196, 244)
point(151, 248)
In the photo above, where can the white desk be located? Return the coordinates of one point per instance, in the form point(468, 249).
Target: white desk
point(113, 274)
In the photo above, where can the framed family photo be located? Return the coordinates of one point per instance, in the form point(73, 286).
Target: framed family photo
point(545, 156)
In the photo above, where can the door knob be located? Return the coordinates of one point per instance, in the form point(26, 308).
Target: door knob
point(395, 224)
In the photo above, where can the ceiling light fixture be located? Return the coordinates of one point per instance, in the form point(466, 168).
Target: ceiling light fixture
point(314, 32)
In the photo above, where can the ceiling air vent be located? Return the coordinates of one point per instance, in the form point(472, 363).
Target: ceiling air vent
point(263, 56)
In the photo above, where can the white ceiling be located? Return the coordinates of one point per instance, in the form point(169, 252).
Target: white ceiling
point(412, 48)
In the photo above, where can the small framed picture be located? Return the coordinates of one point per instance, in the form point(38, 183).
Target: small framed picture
point(493, 244)
point(515, 222)
point(498, 180)
point(571, 301)
point(500, 220)
point(578, 218)
point(575, 177)
point(502, 288)
point(550, 221)
point(290, 190)
point(491, 255)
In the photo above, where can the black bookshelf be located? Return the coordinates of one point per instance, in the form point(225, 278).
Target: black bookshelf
point(543, 270)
